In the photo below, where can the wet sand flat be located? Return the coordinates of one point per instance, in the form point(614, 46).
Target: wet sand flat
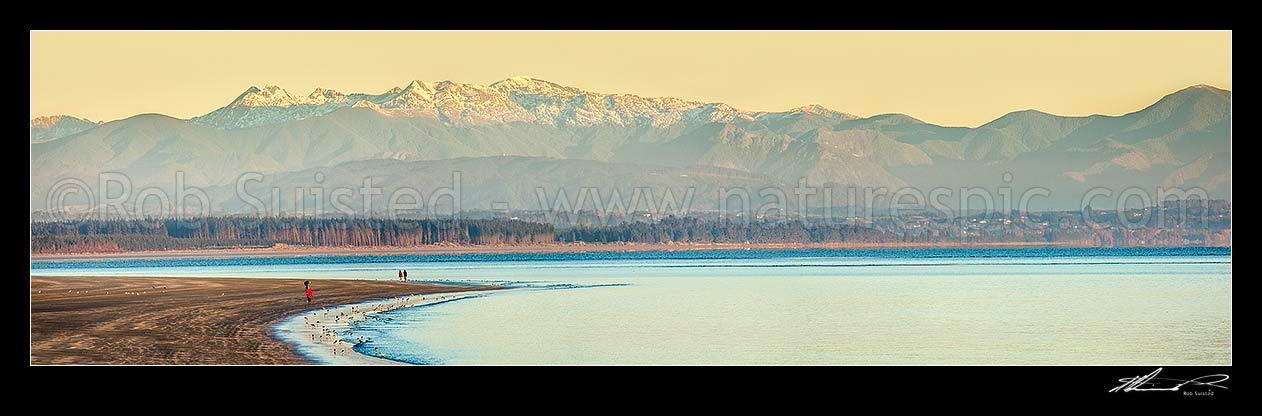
point(184, 320)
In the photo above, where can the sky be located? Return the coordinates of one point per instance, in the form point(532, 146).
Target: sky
point(948, 78)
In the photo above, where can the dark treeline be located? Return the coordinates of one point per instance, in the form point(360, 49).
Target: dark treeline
point(136, 235)
point(82, 236)
point(695, 230)
point(221, 232)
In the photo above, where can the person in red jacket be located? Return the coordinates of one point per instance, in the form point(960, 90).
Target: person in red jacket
point(308, 285)
point(400, 275)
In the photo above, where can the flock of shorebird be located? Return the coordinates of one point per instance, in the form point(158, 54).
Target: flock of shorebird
point(336, 327)
point(156, 289)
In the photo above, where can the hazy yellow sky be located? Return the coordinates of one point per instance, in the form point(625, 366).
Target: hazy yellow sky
point(951, 78)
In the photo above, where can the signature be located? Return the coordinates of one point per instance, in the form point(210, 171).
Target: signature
point(1151, 382)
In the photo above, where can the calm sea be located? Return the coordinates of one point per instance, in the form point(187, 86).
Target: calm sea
point(943, 306)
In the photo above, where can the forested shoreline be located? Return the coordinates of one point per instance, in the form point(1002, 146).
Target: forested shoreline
point(108, 236)
point(116, 236)
point(97, 236)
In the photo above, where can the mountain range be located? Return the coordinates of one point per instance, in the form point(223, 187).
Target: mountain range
point(515, 135)
point(47, 128)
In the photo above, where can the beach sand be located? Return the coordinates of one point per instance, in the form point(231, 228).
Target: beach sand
point(184, 320)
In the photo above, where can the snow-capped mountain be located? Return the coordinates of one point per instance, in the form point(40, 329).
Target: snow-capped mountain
point(1182, 139)
point(54, 127)
point(516, 99)
point(272, 104)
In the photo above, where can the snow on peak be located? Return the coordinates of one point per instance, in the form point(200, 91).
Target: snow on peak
point(718, 112)
point(813, 109)
point(365, 104)
point(514, 82)
point(322, 96)
point(48, 122)
point(823, 111)
point(523, 84)
point(272, 104)
point(268, 96)
point(47, 128)
point(518, 98)
point(418, 85)
point(418, 95)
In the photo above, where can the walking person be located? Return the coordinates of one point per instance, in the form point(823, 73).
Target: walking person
point(400, 275)
point(405, 275)
point(309, 294)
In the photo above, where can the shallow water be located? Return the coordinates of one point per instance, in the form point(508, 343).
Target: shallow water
point(954, 306)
